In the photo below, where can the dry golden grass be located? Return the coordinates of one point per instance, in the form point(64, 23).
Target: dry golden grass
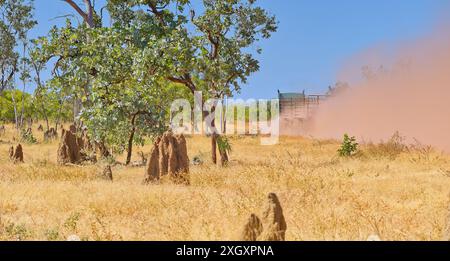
point(324, 197)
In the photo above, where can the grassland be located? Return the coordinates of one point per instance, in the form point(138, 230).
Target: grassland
point(397, 194)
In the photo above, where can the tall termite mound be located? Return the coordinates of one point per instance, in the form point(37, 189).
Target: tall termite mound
point(273, 220)
point(252, 229)
point(72, 147)
point(69, 150)
point(168, 157)
point(272, 226)
point(16, 155)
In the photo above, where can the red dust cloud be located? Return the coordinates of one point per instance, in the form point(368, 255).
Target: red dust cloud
point(408, 92)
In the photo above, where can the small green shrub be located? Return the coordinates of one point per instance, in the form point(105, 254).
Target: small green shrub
point(349, 146)
point(17, 232)
point(27, 136)
point(52, 234)
point(224, 144)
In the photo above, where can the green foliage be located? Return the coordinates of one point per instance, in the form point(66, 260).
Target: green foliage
point(51, 105)
point(349, 146)
point(242, 111)
point(15, 21)
point(36, 106)
point(52, 234)
point(27, 136)
point(7, 104)
point(224, 144)
point(17, 232)
point(126, 75)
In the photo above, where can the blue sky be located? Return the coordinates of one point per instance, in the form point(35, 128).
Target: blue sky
point(314, 39)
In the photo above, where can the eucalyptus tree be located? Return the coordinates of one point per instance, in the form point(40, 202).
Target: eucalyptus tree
point(7, 103)
point(102, 67)
point(125, 104)
point(50, 104)
point(8, 57)
point(204, 46)
point(225, 31)
point(206, 50)
point(15, 21)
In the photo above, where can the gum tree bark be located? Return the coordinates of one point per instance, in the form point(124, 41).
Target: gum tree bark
point(130, 139)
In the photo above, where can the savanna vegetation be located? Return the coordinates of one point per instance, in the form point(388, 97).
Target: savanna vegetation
point(324, 196)
point(111, 73)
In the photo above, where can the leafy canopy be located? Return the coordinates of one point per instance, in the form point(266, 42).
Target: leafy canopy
point(125, 74)
point(15, 21)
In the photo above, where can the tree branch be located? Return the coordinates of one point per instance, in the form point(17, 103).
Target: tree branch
point(185, 80)
point(214, 53)
point(89, 12)
point(88, 15)
point(8, 78)
point(156, 12)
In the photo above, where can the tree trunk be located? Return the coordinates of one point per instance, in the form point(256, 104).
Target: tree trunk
point(76, 108)
point(130, 140)
point(16, 119)
point(130, 147)
point(22, 111)
point(58, 117)
point(213, 136)
point(24, 82)
point(44, 114)
point(48, 124)
point(214, 148)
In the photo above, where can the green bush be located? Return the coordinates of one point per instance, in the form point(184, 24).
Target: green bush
point(349, 146)
point(224, 144)
point(27, 136)
point(17, 231)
